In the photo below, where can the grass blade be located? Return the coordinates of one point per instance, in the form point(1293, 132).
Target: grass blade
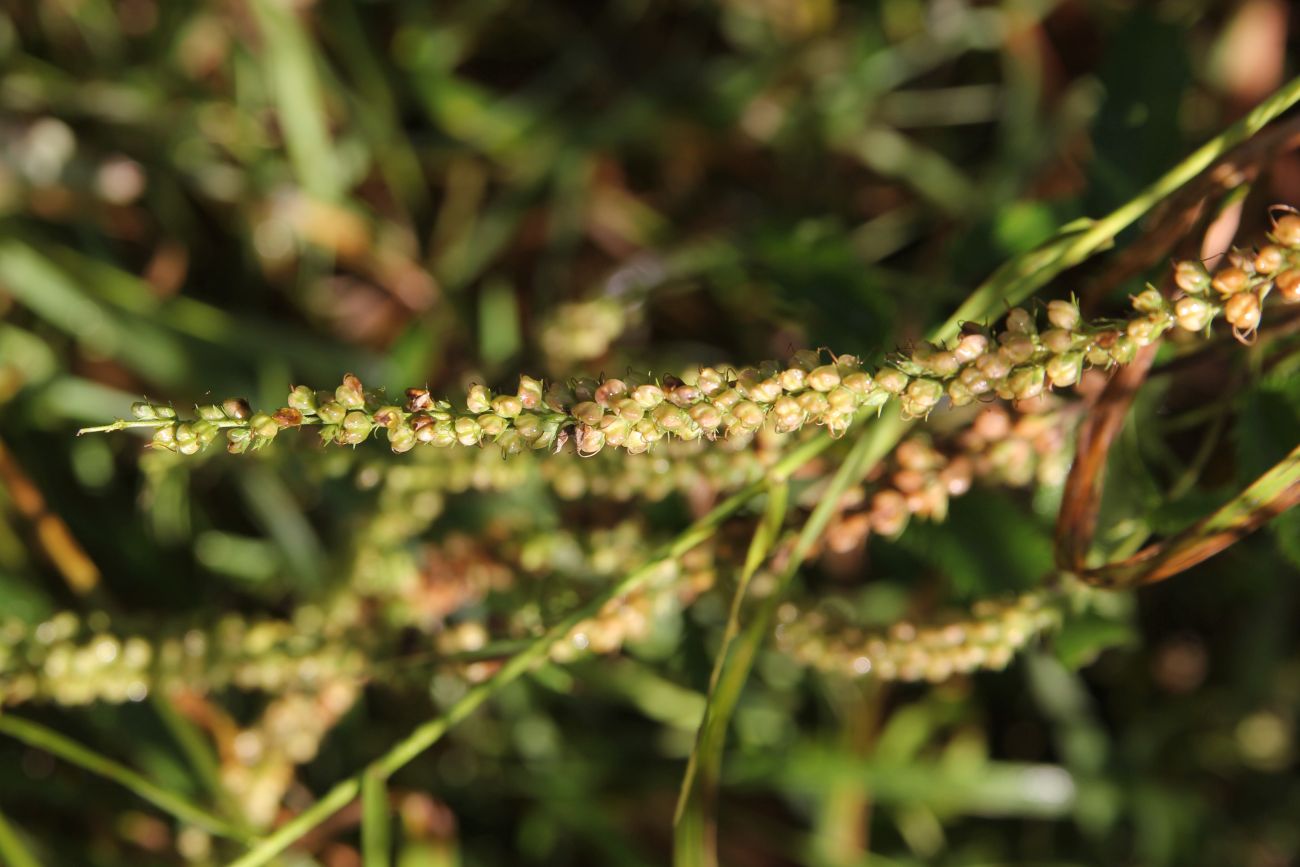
point(431, 732)
point(38, 736)
point(1015, 281)
point(693, 843)
point(13, 852)
point(1267, 497)
point(694, 839)
point(299, 101)
point(375, 822)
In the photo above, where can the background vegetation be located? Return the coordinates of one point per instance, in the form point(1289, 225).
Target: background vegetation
point(203, 200)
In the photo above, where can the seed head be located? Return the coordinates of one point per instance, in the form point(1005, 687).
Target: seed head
point(685, 395)
point(610, 392)
point(1021, 321)
point(648, 396)
point(1243, 311)
point(824, 378)
point(356, 427)
point(1230, 281)
point(401, 439)
point(287, 417)
point(970, 347)
point(332, 412)
point(615, 429)
point(589, 440)
point(530, 392)
point(959, 393)
point(1192, 313)
point(235, 408)
point(711, 381)
point(478, 400)
point(975, 381)
point(670, 418)
point(1064, 370)
point(303, 399)
point(492, 425)
point(708, 417)
point(1063, 314)
point(1026, 382)
point(507, 406)
point(588, 412)
point(1057, 340)
point(1123, 350)
point(418, 399)
point(748, 415)
point(925, 393)
point(1269, 259)
point(1191, 277)
point(1287, 231)
point(1149, 301)
point(1288, 286)
point(205, 431)
point(789, 414)
point(892, 380)
point(993, 365)
point(260, 424)
point(468, 432)
point(238, 440)
point(165, 438)
point(350, 394)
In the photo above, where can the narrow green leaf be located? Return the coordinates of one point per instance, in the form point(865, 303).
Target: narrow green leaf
point(693, 843)
point(296, 90)
point(693, 837)
point(376, 824)
point(40, 737)
point(522, 662)
point(13, 852)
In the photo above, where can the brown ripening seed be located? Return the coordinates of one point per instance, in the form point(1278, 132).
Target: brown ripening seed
point(1287, 230)
point(287, 417)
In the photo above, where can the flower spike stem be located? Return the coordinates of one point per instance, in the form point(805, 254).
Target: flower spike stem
point(36, 735)
point(428, 734)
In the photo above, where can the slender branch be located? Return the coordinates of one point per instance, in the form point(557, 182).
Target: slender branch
point(13, 852)
point(694, 844)
point(428, 734)
point(1076, 522)
point(1023, 275)
point(36, 735)
point(1267, 497)
point(375, 821)
point(1014, 282)
point(695, 837)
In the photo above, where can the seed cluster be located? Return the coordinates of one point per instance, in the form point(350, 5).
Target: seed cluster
point(257, 761)
point(1237, 288)
point(69, 661)
point(424, 587)
point(988, 637)
point(1001, 445)
point(1018, 362)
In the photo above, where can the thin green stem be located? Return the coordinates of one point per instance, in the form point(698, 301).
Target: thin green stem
point(37, 735)
point(1025, 274)
point(199, 753)
point(428, 734)
point(13, 852)
point(1270, 495)
point(1012, 283)
point(376, 823)
point(694, 840)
